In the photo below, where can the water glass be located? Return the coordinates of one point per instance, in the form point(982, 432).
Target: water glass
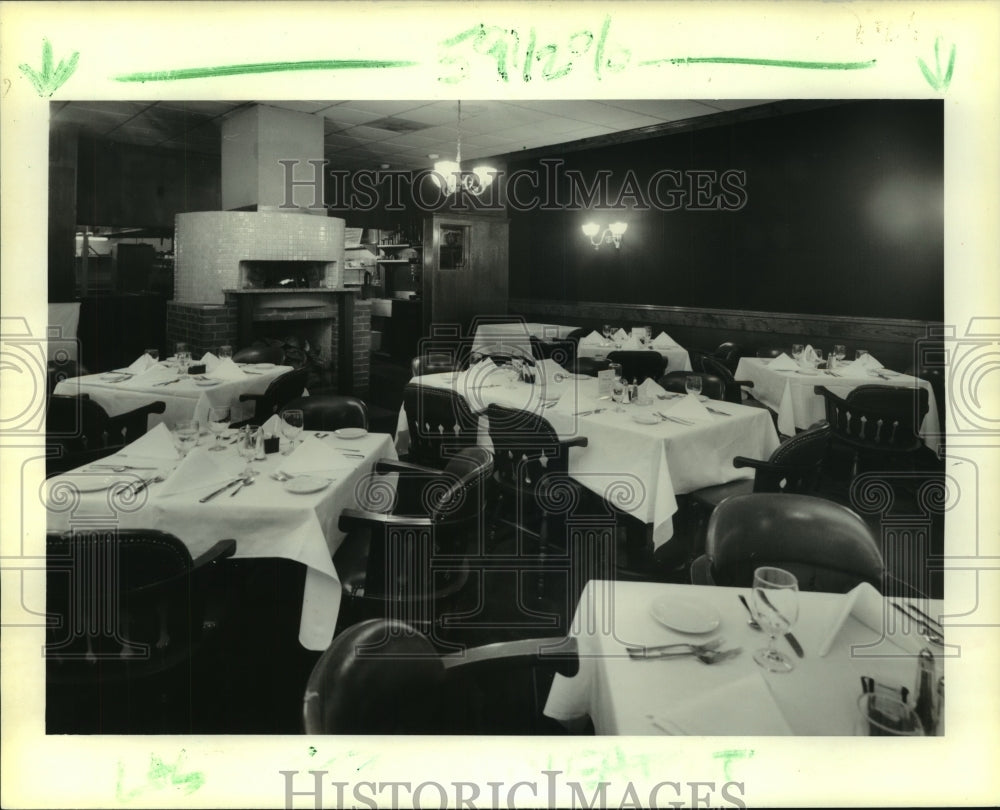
point(775, 602)
point(153, 353)
point(608, 330)
point(218, 422)
point(819, 357)
point(225, 351)
point(692, 384)
point(618, 386)
point(186, 434)
point(247, 446)
point(291, 427)
point(839, 351)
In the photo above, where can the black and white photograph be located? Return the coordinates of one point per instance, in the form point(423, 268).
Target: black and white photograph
point(391, 425)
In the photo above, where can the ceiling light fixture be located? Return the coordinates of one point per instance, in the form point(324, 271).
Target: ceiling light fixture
point(449, 175)
point(612, 234)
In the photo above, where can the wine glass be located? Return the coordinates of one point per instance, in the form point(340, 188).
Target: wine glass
point(775, 601)
point(225, 351)
point(608, 331)
point(618, 394)
point(839, 351)
point(291, 427)
point(818, 358)
point(186, 434)
point(692, 384)
point(797, 351)
point(218, 421)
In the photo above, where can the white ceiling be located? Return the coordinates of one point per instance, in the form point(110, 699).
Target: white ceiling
point(366, 134)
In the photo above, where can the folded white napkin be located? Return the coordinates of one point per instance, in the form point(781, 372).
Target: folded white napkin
point(210, 361)
point(226, 369)
point(157, 443)
point(744, 707)
point(272, 427)
point(688, 407)
point(809, 355)
point(620, 336)
point(783, 363)
point(142, 363)
point(154, 374)
point(869, 607)
point(650, 388)
point(664, 341)
point(316, 457)
point(593, 339)
point(862, 367)
point(201, 470)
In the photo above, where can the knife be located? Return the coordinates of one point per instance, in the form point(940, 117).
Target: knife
point(221, 489)
point(664, 650)
point(792, 641)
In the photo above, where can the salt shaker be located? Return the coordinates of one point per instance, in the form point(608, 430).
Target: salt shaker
point(258, 447)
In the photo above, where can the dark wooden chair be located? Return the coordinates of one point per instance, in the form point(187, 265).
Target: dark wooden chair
point(707, 364)
point(384, 677)
point(877, 422)
point(58, 371)
point(825, 545)
point(712, 385)
point(639, 365)
point(260, 353)
point(282, 389)
point(771, 351)
point(412, 561)
point(329, 411)
point(128, 611)
point(440, 424)
point(728, 353)
point(78, 430)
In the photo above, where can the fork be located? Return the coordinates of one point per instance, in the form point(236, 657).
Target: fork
point(676, 419)
point(156, 479)
point(686, 647)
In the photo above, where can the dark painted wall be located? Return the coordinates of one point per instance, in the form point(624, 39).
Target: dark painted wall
point(842, 214)
point(129, 185)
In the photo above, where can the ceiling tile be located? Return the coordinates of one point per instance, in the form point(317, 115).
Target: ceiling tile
point(347, 115)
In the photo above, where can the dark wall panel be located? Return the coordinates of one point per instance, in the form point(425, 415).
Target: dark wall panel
point(843, 215)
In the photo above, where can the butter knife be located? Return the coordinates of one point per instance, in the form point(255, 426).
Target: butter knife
point(792, 641)
point(220, 490)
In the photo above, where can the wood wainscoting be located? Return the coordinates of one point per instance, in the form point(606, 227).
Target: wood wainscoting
point(892, 341)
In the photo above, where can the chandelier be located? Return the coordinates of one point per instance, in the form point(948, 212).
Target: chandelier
point(449, 175)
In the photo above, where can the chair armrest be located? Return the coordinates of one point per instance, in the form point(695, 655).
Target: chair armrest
point(701, 571)
point(248, 397)
point(158, 406)
point(745, 383)
point(757, 464)
point(221, 550)
point(576, 441)
point(391, 465)
point(354, 518)
point(545, 649)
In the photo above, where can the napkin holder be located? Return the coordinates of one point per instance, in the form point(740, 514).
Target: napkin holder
point(198, 368)
point(272, 444)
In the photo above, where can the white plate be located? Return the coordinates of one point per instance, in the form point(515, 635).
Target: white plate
point(685, 615)
point(262, 366)
point(207, 383)
point(305, 484)
point(350, 433)
point(646, 419)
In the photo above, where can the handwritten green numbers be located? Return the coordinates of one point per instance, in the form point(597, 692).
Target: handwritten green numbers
point(49, 77)
point(525, 57)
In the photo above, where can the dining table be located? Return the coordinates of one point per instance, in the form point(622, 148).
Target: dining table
point(635, 458)
point(844, 638)
point(294, 519)
point(515, 336)
point(186, 396)
point(677, 357)
point(789, 392)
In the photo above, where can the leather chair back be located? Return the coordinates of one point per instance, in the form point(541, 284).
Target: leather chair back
point(330, 411)
point(260, 353)
point(281, 390)
point(440, 423)
point(825, 545)
point(432, 363)
point(639, 365)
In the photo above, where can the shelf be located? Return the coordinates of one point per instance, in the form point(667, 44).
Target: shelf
point(395, 247)
point(393, 261)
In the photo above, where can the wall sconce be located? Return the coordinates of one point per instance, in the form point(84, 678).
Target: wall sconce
point(612, 235)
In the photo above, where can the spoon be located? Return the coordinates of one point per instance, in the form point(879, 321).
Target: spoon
point(714, 656)
point(246, 482)
point(753, 621)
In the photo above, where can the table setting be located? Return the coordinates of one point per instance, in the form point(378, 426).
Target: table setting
point(688, 660)
point(187, 387)
point(644, 449)
point(204, 487)
point(599, 345)
point(785, 385)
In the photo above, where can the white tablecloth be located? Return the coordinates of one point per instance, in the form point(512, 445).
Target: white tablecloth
point(790, 394)
point(515, 336)
point(264, 519)
point(640, 468)
point(677, 357)
point(184, 399)
point(625, 696)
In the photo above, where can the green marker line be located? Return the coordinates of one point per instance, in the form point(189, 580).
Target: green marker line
point(260, 67)
point(785, 63)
